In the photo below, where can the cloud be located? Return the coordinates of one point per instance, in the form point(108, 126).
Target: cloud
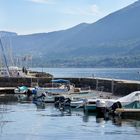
point(43, 1)
point(84, 11)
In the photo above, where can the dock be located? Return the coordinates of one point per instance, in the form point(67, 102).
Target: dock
point(128, 113)
point(7, 90)
point(115, 86)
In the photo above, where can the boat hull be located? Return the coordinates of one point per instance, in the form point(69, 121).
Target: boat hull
point(90, 108)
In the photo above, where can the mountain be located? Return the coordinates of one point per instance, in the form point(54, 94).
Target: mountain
point(7, 34)
point(113, 41)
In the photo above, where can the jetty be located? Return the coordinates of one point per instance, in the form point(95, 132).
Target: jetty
point(115, 86)
point(128, 113)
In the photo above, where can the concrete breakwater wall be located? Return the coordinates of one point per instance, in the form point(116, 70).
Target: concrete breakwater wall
point(117, 87)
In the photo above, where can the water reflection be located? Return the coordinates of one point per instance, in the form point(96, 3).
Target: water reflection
point(62, 112)
point(46, 120)
point(40, 105)
point(100, 118)
point(3, 120)
point(116, 120)
point(66, 112)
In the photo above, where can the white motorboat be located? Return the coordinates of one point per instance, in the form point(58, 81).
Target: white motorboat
point(92, 104)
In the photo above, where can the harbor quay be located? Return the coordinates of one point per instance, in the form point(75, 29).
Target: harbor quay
point(115, 86)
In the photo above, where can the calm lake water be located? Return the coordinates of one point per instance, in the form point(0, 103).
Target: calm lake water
point(118, 73)
point(26, 121)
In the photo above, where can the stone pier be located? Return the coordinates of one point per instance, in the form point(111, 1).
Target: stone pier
point(115, 86)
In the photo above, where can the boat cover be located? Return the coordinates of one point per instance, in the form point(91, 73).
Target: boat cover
point(23, 88)
point(133, 105)
point(130, 98)
point(61, 81)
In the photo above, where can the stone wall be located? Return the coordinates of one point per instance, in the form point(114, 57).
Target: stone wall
point(118, 87)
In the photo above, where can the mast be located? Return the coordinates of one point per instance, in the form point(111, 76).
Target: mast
point(10, 52)
point(5, 59)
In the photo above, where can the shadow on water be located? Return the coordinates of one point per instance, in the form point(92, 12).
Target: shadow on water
point(57, 111)
point(46, 118)
point(100, 118)
point(40, 105)
point(116, 120)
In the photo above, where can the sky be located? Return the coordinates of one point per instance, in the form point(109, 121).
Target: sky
point(37, 16)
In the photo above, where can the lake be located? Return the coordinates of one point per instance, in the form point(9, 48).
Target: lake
point(26, 121)
point(118, 73)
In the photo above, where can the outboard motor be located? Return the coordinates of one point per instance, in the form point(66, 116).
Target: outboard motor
point(29, 93)
point(115, 106)
point(62, 103)
point(67, 102)
point(41, 97)
point(61, 99)
point(100, 107)
point(58, 101)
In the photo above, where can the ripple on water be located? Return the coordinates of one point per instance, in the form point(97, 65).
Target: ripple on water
point(26, 121)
